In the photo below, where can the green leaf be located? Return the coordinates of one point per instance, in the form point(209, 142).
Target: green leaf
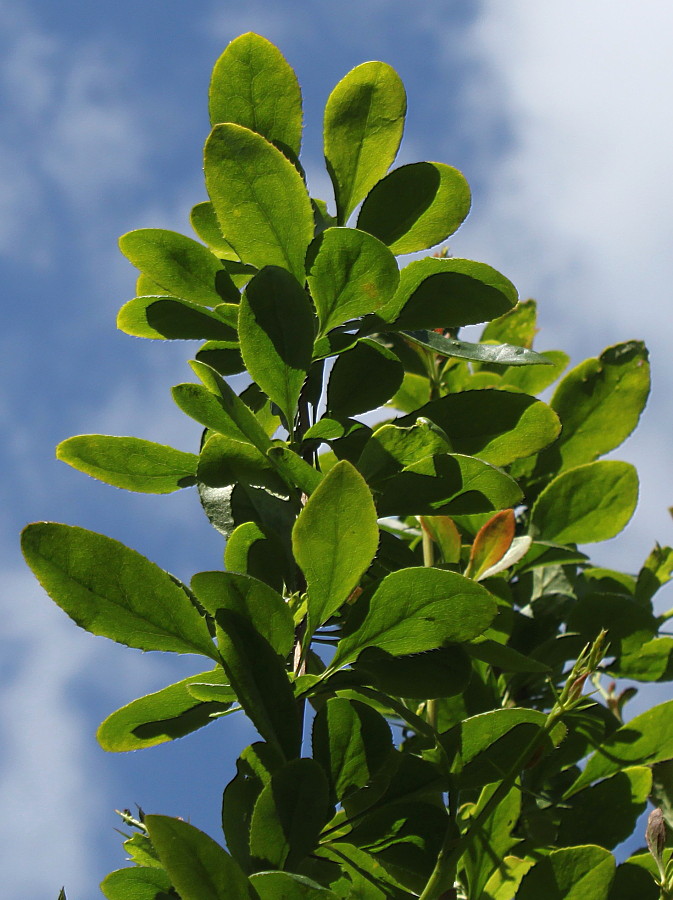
point(204, 222)
point(518, 326)
point(443, 672)
point(655, 573)
point(493, 840)
point(136, 883)
point(170, 319)
point(502, 354)
point(334, 540)
point(364, 121)
point(351, 742)
point(162, 716)
point(260, 680)
point(590, 503)
point(629, 624)
point(288, 886)
point(391, 449)
point(182, 266)
point(634, 878)
point(645, 740)
point(416, 206)
point(599, 403)
point(198, 867)
point(254, 600)
point(444, 533)
point(253, 85)
point(350, 274)
point(295, 469)
point(572, 873)
point(260, 199)
point(223, 356)
point(225, 461)
point(255, 550)
point(605, 813)
point(289, 815)
point(414, 393)
point(507, 878)
point(418, 609)
point(141, 852)
point(112, 591)
point(129, 462)
point(447, 293)
point(362, 379)
point(276, 332)
point(451, 484)
point(534, 379)
point(503, 657)
point(216, 406)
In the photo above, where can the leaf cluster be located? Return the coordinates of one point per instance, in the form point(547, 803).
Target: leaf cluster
point(416, 584)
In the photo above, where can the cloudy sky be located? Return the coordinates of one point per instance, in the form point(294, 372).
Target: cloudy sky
point(559, 116)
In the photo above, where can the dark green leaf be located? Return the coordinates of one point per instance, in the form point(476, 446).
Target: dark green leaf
point(289, 815)
point(295, 469)
point(364, 120)
point(111, 590)
point(276, 331)
point(586, 504)
point(656, 572)
point(416, 206)
point(204, 222)
point(628, 623)
point(419, 609)
point(169, 318)
point(260, 680)
point(254, 600)
point(391, 449)
point(502, 354)
point(180, 265)
point(253, 85)
point(162, 716)
point(573, 873)
point(443, 672)
point(334, 540)
point(255, 550)
point(605, 813)
point(129, 462)
point(225, 461)
point(350, 274)
point(267, 226)
point(136, 883)
point(447, 293)
point(503, 657)
point(198, 867)
point(223, 356)
point(288, 886)
point(351, 742)
point(362, 379)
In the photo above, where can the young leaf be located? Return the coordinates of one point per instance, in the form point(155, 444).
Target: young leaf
point(496, 426)
point(418, 609)
point(171, 319)
point(416, 206)
point(163, 716)
point(129, 462)
point(350, 274)
point(254, 600)
point(184, 267)
point(335, 539)
point(599, 403)
point(276, 332)
point(253, 85)
point(447, 293)
point(351, 742)
point(267, 226)
point(501, 354)
point(260, 680)
point(112, 591)
point(362, 379)
point(655, 573)
point(288, 886)
point(289, 815)
point(493, 540)
point(364, 121)
point(645, 740)
point(136, 883)
point(204, 222)
point(198, 867)
point(590, 503)
point(572, 873)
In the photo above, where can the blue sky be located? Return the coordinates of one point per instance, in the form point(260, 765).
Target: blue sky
point(557, 113)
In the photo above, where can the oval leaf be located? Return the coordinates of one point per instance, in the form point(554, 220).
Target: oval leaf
point(364, 121)
point(112, 591)
point(350, 274)
point(129, 462)
point(491, 543)
point(587, 504)
point(182, 266)
point(204, 222)
point(260, 199)
point(136, 883)
point(171, 319)
point(362, 379)
point(573, 873)
point(253, 85)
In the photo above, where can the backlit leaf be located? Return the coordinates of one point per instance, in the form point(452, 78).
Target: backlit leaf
point(135, 883)
point(501, 354)
point(362, 379)
point(493, 540)
point(572, 873)
point(204, 222)
point(170, 319)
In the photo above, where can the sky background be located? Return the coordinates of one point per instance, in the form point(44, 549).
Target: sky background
point(559, 116)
